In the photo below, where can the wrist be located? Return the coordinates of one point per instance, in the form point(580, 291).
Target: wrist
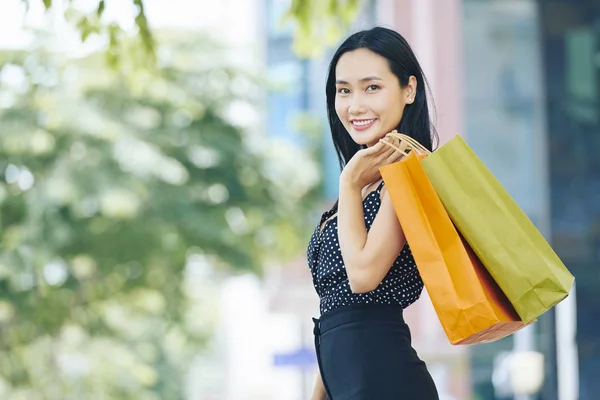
point(348, 182)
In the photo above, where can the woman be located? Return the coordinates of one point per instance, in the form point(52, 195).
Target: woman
point(361, 265)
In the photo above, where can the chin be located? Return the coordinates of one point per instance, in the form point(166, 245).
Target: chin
point(366, 138)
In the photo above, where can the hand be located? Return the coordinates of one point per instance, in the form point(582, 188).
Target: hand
point(363, 168)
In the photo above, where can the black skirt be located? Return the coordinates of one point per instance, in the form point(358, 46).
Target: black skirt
point(365, 353)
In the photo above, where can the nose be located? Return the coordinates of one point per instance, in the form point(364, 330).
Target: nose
point(357, 105)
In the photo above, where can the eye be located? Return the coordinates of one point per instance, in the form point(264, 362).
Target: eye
point(372, 88)
point(343, 90)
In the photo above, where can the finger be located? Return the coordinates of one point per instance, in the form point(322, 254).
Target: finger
point(400, 156)
point(386, 158)
point(384, 154)
point(380, 147)
point(372, 149)
point(395, 157)
point(387, 139)
point(400, 152)
point(389, 135)
point(389, 154)
point(390, 149)
point(395, 143)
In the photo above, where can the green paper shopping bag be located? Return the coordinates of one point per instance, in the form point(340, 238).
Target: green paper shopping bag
point(515, 253)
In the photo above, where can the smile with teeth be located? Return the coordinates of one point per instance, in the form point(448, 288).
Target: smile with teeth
point(362, 122)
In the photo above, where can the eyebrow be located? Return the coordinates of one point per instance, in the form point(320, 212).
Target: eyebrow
point(365, 79)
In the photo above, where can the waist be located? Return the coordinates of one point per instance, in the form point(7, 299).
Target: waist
point(359, 312)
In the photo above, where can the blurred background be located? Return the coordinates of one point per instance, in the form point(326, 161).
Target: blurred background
point(163, 164)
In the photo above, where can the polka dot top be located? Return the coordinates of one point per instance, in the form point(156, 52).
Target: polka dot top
point(402, 285)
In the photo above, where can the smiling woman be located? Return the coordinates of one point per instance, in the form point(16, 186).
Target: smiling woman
point(361, 265)
point(369, 99)
point(386, 56)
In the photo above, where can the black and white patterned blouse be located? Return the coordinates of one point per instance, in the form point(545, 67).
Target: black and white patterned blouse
point(402, 285)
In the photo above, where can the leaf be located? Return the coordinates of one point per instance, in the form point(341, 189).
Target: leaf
point(100, 9)
point(320, 24)
point(332, 7)
point(84, 28)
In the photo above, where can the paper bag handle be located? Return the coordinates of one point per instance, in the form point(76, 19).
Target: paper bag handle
point(409, 141)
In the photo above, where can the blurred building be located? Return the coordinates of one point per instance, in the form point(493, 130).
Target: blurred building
point(531, 72)
point(519, 78)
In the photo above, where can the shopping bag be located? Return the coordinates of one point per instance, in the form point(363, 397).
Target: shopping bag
point(515, 253)
point(470, 306)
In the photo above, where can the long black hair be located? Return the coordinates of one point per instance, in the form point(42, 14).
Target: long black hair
point(415, 121)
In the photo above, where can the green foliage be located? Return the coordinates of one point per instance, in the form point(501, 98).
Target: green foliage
point(91, 23)
point(318, 23)
point(120, 195)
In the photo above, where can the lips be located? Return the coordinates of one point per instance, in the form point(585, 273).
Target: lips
point(362, 124)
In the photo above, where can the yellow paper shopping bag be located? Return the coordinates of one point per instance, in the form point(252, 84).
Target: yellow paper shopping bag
point(471, 307)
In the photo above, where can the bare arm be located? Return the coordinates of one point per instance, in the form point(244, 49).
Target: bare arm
point(319, 392)
point(367, 256)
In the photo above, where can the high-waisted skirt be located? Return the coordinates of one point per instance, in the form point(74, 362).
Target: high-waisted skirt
point(364, 352)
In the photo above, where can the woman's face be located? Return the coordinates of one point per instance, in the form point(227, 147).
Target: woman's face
point(369, 99)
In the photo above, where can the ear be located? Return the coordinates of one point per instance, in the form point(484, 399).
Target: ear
point(410, 90)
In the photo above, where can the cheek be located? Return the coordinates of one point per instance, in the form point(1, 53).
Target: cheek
point(341, 109)
point(391, 109)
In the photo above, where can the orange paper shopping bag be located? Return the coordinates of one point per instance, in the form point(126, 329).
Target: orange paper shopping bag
point(471, 307)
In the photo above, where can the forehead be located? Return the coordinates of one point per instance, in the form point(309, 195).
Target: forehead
point(357, 64)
